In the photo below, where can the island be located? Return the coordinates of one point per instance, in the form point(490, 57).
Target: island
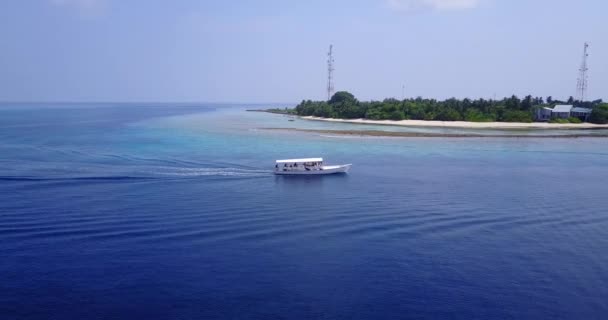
point(511, 112)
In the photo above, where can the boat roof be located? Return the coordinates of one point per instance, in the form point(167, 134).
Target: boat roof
point(301, 160)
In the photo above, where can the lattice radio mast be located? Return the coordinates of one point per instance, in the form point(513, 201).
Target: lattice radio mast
point(583, 80)
point(330, 73)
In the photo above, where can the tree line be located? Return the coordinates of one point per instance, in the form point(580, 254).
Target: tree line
point(344, 105)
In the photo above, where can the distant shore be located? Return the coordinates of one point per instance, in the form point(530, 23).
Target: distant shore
point(465, 124)
point(275, 111)
point(379, 133)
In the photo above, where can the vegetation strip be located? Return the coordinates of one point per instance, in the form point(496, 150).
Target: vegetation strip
point(343, 105)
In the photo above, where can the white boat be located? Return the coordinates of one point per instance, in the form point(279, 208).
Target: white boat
point(311, 166)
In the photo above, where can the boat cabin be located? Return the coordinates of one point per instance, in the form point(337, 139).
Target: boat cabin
point(296, 165)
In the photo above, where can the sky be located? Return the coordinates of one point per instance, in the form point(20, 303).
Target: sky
point(276, 50)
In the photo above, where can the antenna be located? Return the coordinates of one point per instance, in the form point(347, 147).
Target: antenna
point(583, 80)
point(330, 73)
point(403, 92)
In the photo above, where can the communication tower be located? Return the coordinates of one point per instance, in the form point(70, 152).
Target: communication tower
point(330, 73)
point(583, 80)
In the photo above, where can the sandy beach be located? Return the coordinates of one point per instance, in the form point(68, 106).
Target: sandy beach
point(467, 125)
point(396, 134)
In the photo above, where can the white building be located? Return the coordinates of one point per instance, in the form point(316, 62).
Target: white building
point(581, 113)
point(562, 111)
point(543, 114)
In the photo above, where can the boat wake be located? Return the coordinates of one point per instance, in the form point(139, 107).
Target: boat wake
point(84, 178)
point(204, 172)
point(35, 171)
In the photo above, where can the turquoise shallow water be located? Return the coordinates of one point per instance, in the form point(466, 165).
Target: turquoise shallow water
point(171, 211)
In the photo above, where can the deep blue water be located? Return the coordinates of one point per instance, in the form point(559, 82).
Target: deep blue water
point(171, 212)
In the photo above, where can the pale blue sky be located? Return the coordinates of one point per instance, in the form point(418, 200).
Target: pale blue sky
point(275, 51)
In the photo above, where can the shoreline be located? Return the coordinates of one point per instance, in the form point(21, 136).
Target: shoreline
point(465, 124)
point(395, 134)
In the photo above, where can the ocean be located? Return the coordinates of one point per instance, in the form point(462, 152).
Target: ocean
point(171, 211)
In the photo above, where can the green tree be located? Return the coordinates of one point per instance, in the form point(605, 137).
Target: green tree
point(517, 116)
point(512, 103)
point(415, 110)
point(397, 115)
point(526, 104)
point(342, 97)
point(448, 114)
point(475, 115)
point(599, 114)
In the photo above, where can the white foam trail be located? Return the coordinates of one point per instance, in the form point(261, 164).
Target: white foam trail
point(201, 172)
point(64, 170)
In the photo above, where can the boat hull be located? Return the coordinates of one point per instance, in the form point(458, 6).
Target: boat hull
point(325, 171)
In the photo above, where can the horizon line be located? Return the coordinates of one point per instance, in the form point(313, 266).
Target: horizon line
point(142, 102)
